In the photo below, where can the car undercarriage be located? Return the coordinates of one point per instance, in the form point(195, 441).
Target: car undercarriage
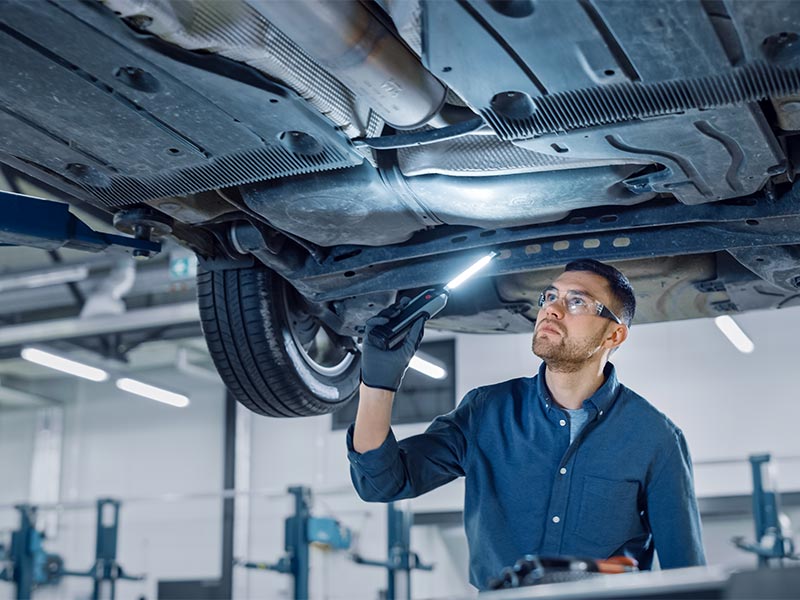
point(324, 158)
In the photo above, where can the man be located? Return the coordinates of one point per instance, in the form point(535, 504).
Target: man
point(569, 462)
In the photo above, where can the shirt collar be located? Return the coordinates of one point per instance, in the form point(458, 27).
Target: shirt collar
point(601, 400)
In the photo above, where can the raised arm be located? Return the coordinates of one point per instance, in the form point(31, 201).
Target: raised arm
point(381, 375)
point(382, 469)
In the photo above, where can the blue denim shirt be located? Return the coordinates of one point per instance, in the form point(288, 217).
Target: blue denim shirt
point(623, 487)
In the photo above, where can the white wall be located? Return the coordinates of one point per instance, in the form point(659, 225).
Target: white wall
point(16, 451)
point(729, 405)
point(122, 446)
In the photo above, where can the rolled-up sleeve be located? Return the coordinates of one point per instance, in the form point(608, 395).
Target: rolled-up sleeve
point(415, 465)
point(673, 513)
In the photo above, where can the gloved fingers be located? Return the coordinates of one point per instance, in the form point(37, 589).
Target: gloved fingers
point(415, 333)
point(390, 312)
point(376, 320)
point(395, 309)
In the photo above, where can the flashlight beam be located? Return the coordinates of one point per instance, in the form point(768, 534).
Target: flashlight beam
point(469, 272)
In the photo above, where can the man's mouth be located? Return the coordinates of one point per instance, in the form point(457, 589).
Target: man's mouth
point(549, 329)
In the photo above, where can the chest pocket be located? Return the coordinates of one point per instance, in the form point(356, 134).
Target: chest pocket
point(609, 512)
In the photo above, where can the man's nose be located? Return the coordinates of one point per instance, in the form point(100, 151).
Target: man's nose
point(555, 309)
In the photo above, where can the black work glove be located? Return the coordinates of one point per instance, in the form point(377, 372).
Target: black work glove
point(384, 369)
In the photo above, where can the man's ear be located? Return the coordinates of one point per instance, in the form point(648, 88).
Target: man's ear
point(617, 335)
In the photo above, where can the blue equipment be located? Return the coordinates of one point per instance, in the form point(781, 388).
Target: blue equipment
point(29, 221)
point(770, 544)
point(401, 559)
point(29, 566)
point(301, 530)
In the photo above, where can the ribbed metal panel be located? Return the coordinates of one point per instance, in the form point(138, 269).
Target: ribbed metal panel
point(566, 111)
point(236, 169)
point(235, 30)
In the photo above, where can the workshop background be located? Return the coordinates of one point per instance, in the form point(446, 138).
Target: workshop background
point(71, 441)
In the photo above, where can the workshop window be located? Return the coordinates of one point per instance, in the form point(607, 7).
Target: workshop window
point(421, 398)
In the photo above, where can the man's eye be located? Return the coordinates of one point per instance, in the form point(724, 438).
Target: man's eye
point(550, 297)
point(577, 301)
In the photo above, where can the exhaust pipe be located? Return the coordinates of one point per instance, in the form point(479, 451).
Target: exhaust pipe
point(345, 38)
point(376, 207)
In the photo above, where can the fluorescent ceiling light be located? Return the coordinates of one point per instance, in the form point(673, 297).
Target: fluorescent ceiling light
point(65, 365)
point(734, 333)
point(427, 368)
point(470, 271)
point(150, 391)
point(42, 278)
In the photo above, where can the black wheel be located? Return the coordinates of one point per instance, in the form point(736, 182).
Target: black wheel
point(273, 356)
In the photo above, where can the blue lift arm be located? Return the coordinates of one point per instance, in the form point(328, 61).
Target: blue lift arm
point(46, 224)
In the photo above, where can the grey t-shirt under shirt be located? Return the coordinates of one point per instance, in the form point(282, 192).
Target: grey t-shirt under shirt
point(577, 419)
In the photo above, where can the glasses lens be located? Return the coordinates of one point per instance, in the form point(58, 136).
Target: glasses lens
point(578, 305)
point(547, 298)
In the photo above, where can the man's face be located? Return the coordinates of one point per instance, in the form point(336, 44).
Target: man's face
point(564, 341)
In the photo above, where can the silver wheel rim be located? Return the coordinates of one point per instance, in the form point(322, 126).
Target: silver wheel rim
point(318, 349)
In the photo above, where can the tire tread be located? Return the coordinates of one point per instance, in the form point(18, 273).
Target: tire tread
point(241, 319)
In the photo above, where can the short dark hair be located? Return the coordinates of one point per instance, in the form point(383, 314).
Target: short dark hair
point(621, 288)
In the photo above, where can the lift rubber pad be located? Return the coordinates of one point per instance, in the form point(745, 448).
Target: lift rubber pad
point(128, 118)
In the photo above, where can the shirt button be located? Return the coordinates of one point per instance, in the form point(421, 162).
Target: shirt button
point(562, 470)
point(601, 413)
point(562, 422)
point(556, 519)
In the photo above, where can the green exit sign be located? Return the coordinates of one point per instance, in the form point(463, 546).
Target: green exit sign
point(183, 267)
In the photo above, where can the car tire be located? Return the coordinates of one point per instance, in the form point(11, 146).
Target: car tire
point(270, 352)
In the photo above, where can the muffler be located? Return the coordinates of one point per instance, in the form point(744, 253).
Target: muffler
point(347, 40)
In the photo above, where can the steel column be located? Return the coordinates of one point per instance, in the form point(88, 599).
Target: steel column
point(105, 565)
point(765, 502)
point(24, 545)
point(296, 541)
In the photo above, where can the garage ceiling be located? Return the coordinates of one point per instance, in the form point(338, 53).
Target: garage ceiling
point(109, 289)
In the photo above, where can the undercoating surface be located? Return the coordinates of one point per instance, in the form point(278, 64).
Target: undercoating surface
point(148, 121)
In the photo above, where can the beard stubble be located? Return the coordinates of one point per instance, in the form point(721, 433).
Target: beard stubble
point(565, 355)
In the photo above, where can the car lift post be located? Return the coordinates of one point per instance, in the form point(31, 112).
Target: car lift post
point(401, 559)
point(765, 503)
point(301, 530)
point(31, 566)
point(297, 539)
point(106, 568)
point(25, 548)
point(770, 544)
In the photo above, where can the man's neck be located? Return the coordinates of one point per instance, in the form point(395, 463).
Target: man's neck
point(570, 389)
